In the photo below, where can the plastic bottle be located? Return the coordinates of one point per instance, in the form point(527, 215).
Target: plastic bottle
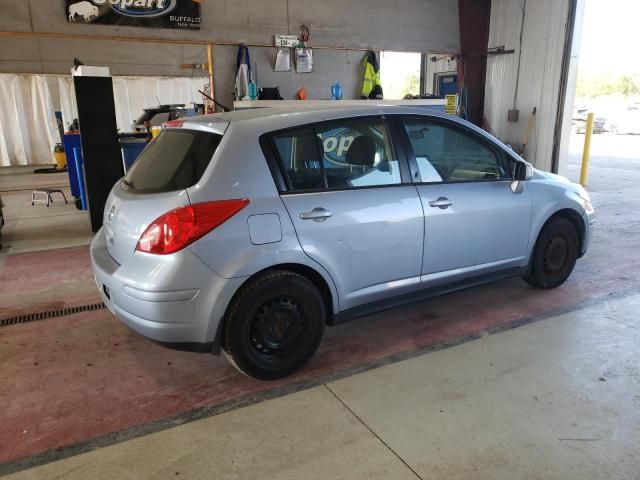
point(253, 91)
point(336, 91)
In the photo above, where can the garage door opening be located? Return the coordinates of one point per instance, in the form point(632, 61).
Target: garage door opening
point(608, 85)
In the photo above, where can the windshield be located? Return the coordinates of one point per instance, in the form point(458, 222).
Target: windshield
point(174, 160)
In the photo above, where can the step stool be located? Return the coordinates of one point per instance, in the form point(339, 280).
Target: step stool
point(46, 193)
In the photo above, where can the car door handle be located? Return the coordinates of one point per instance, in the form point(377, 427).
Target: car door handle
point(318, 214)
point(442, 203)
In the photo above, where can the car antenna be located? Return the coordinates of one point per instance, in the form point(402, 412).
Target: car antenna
point(224, 109)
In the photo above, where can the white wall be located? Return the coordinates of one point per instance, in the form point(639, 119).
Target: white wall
point(542, 51)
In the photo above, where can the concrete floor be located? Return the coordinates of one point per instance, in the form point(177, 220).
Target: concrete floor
point(555, 399)
point(34, 228)
point(559, 398)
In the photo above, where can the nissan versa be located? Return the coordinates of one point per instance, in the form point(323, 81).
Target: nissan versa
point(247, 232)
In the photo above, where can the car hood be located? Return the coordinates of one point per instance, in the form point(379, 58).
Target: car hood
point(563, 181)
point(542, 175)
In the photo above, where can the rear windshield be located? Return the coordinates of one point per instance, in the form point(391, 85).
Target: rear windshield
point(174, 160)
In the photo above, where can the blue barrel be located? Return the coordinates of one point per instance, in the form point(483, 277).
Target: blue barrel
point(131, 150)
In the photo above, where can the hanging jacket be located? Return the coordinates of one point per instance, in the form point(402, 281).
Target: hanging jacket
point(243, 73)
point(371, 87)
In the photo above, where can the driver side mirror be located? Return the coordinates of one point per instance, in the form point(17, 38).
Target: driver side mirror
point(522, 172)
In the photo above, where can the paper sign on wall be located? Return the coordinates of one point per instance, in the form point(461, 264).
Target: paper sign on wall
point(284, 41)
point(452, 104)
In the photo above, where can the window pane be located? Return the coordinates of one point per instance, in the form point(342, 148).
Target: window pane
point(358, 153)
point(447, 154)
point(400, 74)
point(174, 160)
point(299, 151)
point(159, 119)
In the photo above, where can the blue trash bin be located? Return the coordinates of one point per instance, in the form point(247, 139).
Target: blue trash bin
point(131, 148)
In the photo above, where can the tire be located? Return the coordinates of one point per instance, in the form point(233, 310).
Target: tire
point(274, 325)
point(555, 254)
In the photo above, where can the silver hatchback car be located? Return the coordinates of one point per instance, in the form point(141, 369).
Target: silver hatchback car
point(247, 232)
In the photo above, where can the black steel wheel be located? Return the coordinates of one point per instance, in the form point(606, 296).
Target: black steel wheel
point(555, 254)
point(274, 325)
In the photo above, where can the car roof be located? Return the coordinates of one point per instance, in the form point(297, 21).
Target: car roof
point(260, 120)
point(313, 111)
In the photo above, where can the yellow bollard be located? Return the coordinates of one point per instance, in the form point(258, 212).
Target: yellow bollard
point(584, 171)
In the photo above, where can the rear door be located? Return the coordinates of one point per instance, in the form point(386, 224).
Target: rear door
point(474, 223)
point(351, 210)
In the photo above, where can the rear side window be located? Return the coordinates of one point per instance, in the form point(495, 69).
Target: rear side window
point(300, 152)
point(174, 160)
point(341, 154)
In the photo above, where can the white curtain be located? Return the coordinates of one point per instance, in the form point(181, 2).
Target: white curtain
point(133, 94)
point(68, 105)
point(28, 128)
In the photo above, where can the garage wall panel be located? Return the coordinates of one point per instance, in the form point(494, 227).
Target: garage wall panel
point(379, 24)
point(541, 63)
point(413, 25)
point(14, 16)
point(403, 25)
point(344, 66)
point(231, 20)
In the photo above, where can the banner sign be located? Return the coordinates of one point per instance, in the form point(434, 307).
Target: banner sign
point(181, 14)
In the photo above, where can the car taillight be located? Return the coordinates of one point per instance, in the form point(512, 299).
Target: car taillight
point(178, 228)
point(174, 123)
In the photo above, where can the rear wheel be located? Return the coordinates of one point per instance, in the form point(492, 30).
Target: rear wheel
point(274, 326)
point(555, 254)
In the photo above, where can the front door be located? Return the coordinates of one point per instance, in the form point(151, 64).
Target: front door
point(351, 211)
point(474, 223)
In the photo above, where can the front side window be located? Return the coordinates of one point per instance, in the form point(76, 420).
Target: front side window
point(344, 154)
point(448, 154)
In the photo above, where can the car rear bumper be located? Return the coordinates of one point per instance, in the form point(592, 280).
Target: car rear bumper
point(176, 301)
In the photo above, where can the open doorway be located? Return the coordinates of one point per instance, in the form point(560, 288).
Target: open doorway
point(400, 74)
point(608, 85)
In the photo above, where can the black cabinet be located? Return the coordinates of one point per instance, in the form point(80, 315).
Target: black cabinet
point(100, 148)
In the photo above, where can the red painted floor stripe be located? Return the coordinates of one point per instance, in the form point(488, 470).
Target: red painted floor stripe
point(46, 280)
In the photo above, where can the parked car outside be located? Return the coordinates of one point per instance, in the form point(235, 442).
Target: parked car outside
point(580, 126)
point(579, 122)
point(249, 231)
point(627, 122)
point(156, 116)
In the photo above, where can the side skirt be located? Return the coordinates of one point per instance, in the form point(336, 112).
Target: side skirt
point(421, 295)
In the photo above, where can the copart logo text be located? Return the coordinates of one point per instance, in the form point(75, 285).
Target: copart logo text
point(140, 8)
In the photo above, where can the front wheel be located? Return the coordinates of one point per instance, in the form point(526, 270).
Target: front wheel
point(555, 254)
point(274, 325)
